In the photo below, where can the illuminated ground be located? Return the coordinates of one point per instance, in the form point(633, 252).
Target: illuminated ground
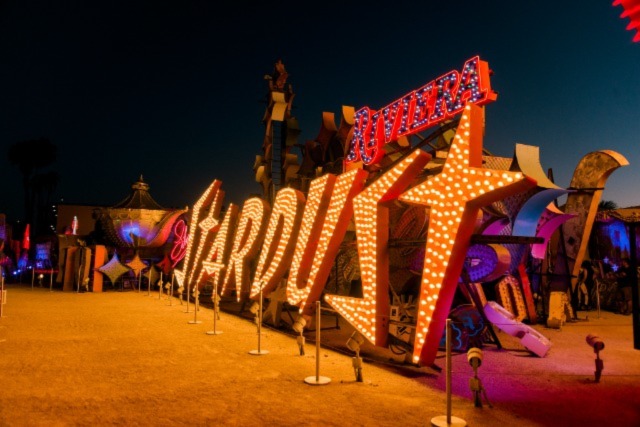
point(126, 358)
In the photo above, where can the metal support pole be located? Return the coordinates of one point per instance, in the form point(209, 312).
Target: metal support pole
point(188, 298)
point(3, 297)
point(215, 309)
point(173, 280)
point(317, 379)
point(196, 294)
point(259, 351)
point(448, 420)
point(81, 265)
point(598, 296)
point(161, 283)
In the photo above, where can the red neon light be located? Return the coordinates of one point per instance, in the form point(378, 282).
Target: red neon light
point(179, 248)
point(631, 11)
point(438, 100)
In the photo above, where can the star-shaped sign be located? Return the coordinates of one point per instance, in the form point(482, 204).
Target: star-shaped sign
point(454, 196)
point(136, 265)
point(113, 269)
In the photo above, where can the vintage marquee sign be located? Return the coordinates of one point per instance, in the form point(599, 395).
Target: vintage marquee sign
point(436, 101)
point(302, 236)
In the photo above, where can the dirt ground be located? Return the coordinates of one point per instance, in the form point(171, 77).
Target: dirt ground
point(126, 358)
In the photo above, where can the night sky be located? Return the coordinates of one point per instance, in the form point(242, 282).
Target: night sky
point(175, 90)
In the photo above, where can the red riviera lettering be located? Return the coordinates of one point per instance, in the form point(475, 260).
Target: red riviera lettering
point(436, 101)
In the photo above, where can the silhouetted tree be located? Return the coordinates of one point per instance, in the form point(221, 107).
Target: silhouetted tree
point(30, 156)
point(607, 205)
point(43, 186)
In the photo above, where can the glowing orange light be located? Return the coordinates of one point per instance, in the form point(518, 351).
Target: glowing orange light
point(246, 244)
point(312, 219)
point(218, 255)
point(324, 225)
point(458, 213)
point(370, 314)
point(279, 241)
point(208, 229)
point(203, 203)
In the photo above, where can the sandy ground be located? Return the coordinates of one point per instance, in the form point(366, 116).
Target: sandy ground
point(125, 358)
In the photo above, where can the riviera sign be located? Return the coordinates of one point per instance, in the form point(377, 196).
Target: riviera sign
point(436, 101)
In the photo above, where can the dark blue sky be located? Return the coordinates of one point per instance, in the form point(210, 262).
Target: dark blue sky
point(172, 90)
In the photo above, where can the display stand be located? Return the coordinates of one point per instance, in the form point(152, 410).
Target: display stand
point(196, 294)
point(317, 379)
point(149, 280)
point(3, 297)
point(171, 289)
point(216, 302)
point(448, 420)
point(188, 298)
point(259, 351)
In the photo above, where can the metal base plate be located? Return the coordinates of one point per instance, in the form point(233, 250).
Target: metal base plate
point(317, 380)
point(214, 332)
point(441, 421)
point(258, 352)
point(194, 322)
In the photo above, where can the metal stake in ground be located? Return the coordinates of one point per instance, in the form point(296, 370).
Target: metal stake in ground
point(149, 281)
point(188, 298)
point(196, 295)
point(160, 283)
point(3, 297)
point(170, 293)
point(216, 303)
point(317, 379)
point(259, 351)
point(448, 420)
point(171, 290)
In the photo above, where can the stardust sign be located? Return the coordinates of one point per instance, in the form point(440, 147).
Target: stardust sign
point(300, 236)
point(436, 101)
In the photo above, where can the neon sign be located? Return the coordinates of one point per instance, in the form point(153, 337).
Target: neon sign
point(370, 314)
point(179, 248)
point(438, 100)
point(454, 196)
point(303, 236)
point(255, 248)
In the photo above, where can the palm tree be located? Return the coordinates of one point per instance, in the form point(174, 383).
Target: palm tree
point(42, 187)
point(31, 155)
point(607, 205)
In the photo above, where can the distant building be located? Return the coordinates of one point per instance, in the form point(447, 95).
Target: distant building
point(84, 213)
